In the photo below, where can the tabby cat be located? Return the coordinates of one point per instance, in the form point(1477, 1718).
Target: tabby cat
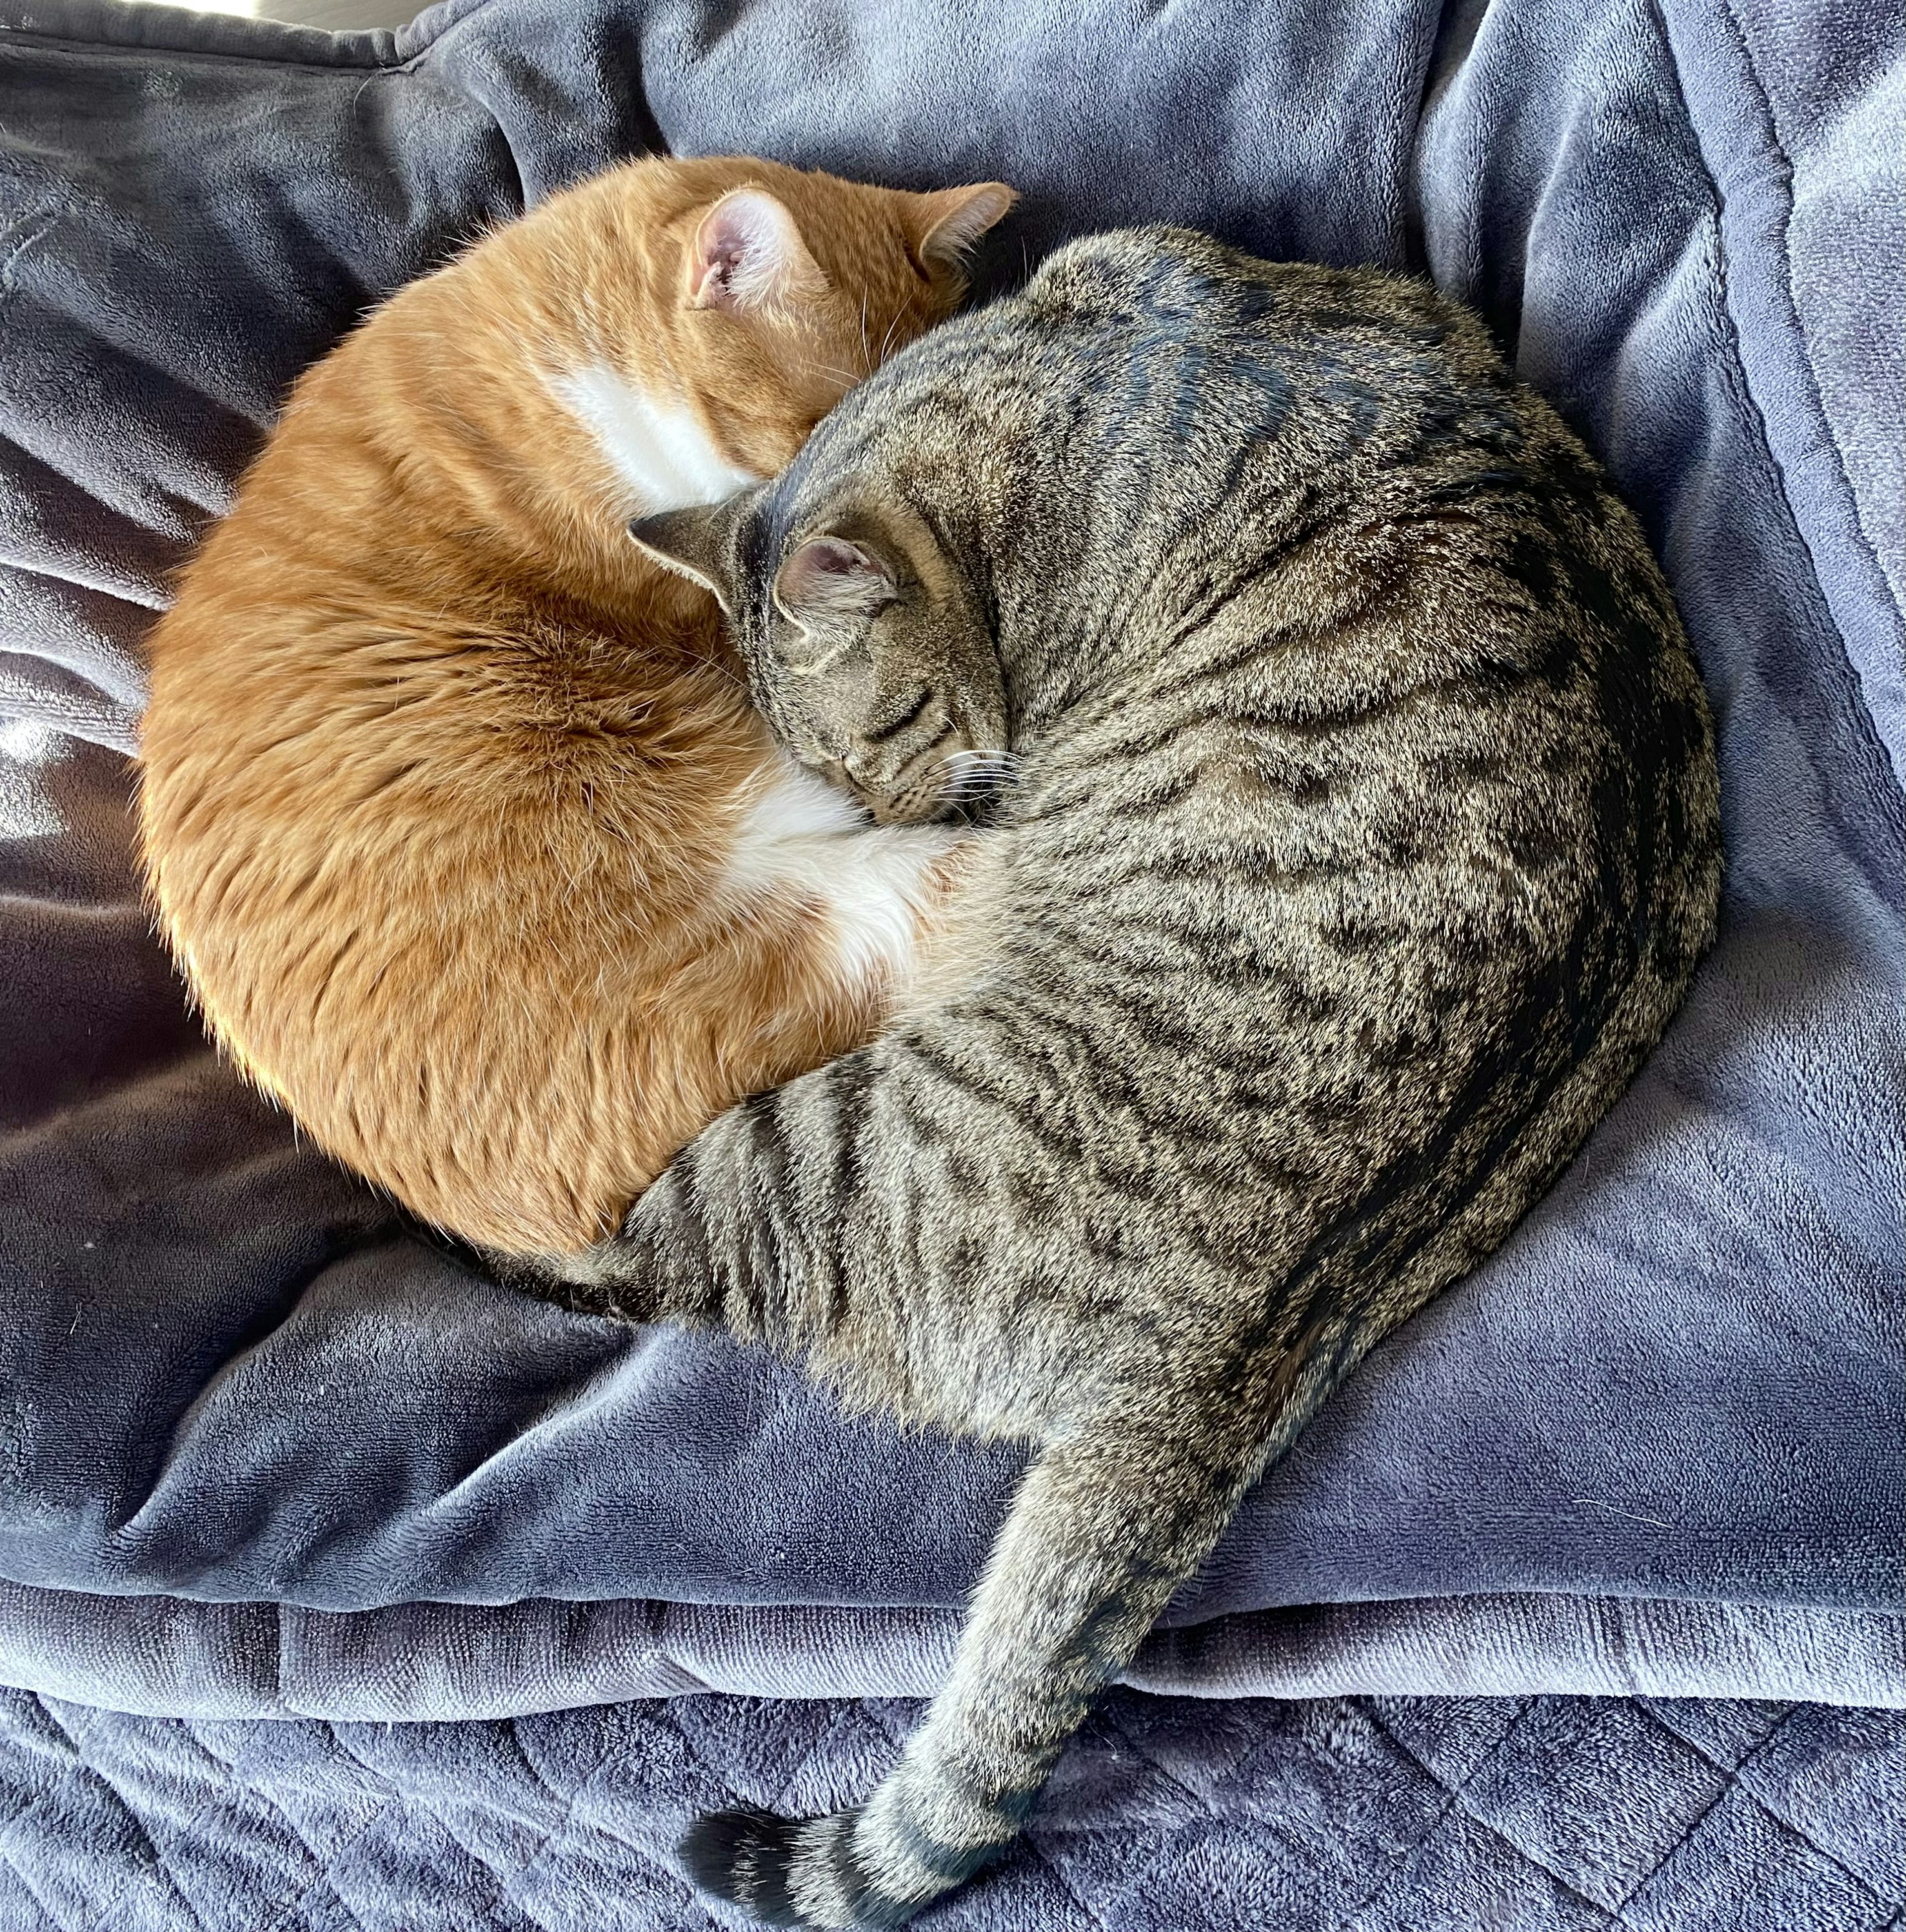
point(1359, 838)
point(464, 833)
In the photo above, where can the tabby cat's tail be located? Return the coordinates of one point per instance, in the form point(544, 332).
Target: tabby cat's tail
point(794, 1220)
point(1121, 1504)
point(1106, 1528)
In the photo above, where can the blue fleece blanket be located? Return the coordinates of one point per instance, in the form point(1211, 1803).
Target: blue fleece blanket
point(1359, 1815)
point(226, 1373)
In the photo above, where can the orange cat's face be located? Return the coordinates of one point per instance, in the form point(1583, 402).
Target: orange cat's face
point(792, 288)
point(661, 336)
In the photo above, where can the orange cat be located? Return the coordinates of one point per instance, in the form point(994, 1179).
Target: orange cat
point(464, 834)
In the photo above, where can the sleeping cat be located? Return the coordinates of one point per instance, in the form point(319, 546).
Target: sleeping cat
point(1360, 840)
point(455, 817)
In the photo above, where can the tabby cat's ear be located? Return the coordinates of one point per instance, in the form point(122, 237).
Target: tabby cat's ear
point(829, 576)
point(951, 222)
point(698, 543)
point(748, 254)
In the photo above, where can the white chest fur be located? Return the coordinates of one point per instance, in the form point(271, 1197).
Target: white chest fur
point(659, 447)
point(803, 840)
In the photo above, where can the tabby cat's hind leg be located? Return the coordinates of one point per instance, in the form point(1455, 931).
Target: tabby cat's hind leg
point(1107, 1525)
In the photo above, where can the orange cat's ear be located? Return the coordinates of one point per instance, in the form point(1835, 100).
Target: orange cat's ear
point(698, 543)
point(748, 254)
point(828, 576)
point(949, 223)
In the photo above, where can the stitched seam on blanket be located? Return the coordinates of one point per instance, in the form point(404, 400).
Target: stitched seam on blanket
point(208, 56)
point(416, 1800)
point(1163, 1771)
point(1456, 1803)
point(160, 1864)
point(1203, 1802)
point(1707, 1811)
point(1065, 1883)
point(320, 1874)
point(463, 1883)
point(1734, 371)
point(48, 1916)
point(566, 1801)
point(867, 1711)
point(840, 1715)
point(1414, 1848)
point(264, 58)
point(273, 1809)
point(217, 1801)
point(662, 1713)
point(1784, 170)
point(26, 1810)
point(323, 1862)
point(1731, 1782)
point(1731, 1774)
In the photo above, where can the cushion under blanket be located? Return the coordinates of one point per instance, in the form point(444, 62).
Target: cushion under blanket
point(228, 1372)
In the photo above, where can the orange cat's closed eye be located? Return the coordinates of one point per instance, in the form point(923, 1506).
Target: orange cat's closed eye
point(454, 815)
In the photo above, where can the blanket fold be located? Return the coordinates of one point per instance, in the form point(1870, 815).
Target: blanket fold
point(428, 1663)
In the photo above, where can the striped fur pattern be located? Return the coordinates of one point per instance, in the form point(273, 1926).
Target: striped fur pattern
point(1359, 837)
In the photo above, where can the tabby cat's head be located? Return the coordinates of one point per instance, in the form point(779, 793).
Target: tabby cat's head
point(865, 638)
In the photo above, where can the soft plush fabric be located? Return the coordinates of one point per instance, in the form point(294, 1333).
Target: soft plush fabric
point(226, 1373)
point(268, 1465)
point(165, 1656)
point(1359, 1815)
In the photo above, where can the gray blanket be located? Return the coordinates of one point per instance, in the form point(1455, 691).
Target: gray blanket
point(1359, 1815)
point(228, 1375)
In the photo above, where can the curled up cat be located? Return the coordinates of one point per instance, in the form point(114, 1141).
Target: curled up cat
point(454, 813)
point(1353, 836)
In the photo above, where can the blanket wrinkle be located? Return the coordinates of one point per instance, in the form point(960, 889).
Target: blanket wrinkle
point(1753, 187)
point(177, 1443)
point(84, 648)
point(1781, 175)
point(1796, 126)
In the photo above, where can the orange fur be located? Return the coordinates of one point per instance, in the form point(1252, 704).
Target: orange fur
point(442, 778)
